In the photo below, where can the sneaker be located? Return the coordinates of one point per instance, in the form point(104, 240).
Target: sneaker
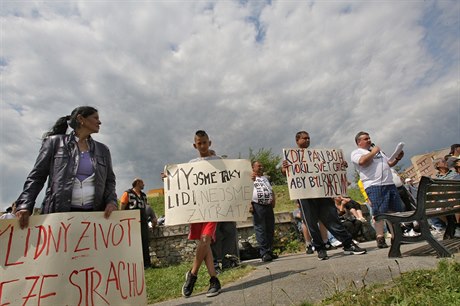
point(438, 229)
point(309, 249)
point(457, 232)
point(267, 257)
point(328, 245)
point(336, 243)
point(322, 255)
point(381, 244)
point(411, 233)
point(214, 287)
point(218, 269)
point(274, 255)
point(230, 261)
point(353, 249)
point(190, 280)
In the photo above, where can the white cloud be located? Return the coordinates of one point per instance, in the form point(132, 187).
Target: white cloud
point(249, 72)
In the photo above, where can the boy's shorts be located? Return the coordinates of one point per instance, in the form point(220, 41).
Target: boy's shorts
point(200, 229)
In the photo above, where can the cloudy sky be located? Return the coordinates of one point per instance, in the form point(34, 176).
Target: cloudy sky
point(251, 73)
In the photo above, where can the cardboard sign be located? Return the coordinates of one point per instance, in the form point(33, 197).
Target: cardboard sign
point(76, 258)
point(315, 173)
point(208, 190)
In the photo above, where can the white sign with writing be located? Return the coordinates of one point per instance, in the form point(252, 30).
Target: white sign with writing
point(76, 258)
point(208, 190)
point(315, 173)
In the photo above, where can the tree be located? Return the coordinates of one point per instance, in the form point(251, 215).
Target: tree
point(271, 163)
point(356, 177)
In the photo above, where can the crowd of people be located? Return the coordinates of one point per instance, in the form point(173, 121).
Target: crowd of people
point(448, 168)
point(80, 178)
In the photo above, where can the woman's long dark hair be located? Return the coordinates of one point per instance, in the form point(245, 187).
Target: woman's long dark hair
point(63, 123)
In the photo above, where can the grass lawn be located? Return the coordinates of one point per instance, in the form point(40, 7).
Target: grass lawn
point(440, 286)
point(166, 283)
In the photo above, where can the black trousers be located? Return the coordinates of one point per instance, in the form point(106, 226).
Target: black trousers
point(145, 243)
point(226, 242)
point(324, 210)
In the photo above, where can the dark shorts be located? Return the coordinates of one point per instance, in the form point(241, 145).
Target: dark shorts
point(352, 204)
point(384, 199)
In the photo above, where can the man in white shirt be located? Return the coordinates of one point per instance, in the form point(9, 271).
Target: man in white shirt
point(374, 169)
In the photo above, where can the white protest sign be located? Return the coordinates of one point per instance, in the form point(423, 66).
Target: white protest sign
point(315, 173)
point(76, 258)
point(208, 190)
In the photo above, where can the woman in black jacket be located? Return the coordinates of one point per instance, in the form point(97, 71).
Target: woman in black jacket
point(78, 169)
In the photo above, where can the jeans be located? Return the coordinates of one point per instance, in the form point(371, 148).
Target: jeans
point(324, 210)
point(437, 223)
point(263, 219)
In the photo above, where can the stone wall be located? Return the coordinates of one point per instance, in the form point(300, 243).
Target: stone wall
point(169, 244)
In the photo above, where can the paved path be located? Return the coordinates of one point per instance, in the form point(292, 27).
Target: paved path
point(293, 279)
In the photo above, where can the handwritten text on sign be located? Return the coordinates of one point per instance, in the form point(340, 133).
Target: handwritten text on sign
point(315, 173)
point(72, 259)
point(208, 190)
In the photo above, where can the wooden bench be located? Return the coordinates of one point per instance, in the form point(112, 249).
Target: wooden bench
point(434, 198)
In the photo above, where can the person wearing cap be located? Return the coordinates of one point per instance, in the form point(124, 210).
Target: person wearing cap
point(409, 184)
point(454, 155)
point(457, 170)
point(444, 173)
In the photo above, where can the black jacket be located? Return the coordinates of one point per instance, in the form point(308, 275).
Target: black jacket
point(58, 160)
